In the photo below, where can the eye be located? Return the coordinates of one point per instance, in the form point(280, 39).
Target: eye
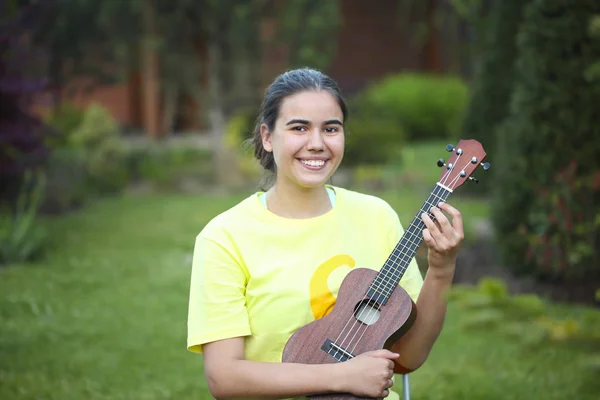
point(332, 129)
point(299, 128)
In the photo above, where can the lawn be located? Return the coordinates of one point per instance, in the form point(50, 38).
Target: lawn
point(103, 316)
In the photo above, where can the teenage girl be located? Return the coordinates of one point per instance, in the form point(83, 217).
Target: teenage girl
point(274, 262)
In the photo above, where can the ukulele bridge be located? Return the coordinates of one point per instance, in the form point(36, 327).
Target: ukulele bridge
point(336, 351)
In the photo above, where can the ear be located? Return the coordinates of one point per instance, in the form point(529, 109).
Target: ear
point(266, 138)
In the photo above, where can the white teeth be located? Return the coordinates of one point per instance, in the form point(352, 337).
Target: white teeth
point(314, 163)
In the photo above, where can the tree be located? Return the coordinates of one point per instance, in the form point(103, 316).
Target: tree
point(546, 193)
point(493, 82)
point(22, 135)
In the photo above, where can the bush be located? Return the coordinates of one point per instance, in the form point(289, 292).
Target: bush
point(405, 107)
point(98, 137)
point(238, 131)
point(21, 239)
point(527, 318)
point(494, 78)
point(65, 120)
point(553, 123)
point(166, 167)
point(373, 135)
point(67, 187)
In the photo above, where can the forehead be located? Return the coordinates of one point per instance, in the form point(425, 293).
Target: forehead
point(311, 105)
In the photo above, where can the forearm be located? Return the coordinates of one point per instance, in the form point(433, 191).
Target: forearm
point(415, 345)
point(243, 378)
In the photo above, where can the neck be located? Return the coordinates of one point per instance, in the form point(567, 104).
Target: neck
point(296, 202)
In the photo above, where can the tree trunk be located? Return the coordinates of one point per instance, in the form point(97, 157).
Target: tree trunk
point(150, 78)
point(170, 107)
point(223, 162)
point(432, 53)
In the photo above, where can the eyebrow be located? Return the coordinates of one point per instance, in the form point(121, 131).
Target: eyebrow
point(306, 122)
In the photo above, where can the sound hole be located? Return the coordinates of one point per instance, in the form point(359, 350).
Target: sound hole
point(367, 312)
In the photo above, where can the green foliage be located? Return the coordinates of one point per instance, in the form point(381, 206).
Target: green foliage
point(120, 253)
point(237, 135)
point(494, 76)
point(373, 136)
point(98, 138)
point(67, 187)
point(416, 107)
point(304, 24)
point(21, 238)
point(592, 73)
point(169, 167)
point(562, 226)
point(539, 212)
point(66, 119)
point(527, 319)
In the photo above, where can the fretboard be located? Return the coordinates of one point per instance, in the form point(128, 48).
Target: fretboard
point(392, 271)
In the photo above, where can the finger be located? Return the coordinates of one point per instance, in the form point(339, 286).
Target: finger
point(391, 373)
point(442, 220)
point(429, 240)
point(390, 383)
point(383, 353)
point(385, 393)
point(392, 365)
point(456, 216)
point(433, 228)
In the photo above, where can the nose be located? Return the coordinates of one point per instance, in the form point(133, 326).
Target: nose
point(315, 140)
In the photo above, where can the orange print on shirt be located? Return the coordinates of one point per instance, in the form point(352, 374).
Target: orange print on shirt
point(321, 298)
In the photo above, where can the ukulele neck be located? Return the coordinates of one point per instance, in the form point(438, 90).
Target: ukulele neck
point(395, 266)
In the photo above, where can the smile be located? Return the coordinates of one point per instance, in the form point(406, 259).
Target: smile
point(313, 164)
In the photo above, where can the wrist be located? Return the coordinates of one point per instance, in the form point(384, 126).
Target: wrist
point(335, 378)
point(441, 273)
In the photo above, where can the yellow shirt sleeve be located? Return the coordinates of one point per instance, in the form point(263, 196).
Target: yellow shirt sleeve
point(412, 281)
point(217, 302)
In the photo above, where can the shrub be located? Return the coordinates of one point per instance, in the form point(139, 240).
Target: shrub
point(238, 132)
point(553, 122)
point(373, 135)
point(65, 120)
point(98, 137)
point(399, 108)
point(426, 106)
point(165, 167)
point(21, 239)
point(494, 78)
point(527, 318)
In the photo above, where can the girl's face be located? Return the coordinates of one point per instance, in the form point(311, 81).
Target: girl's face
point(308, 139)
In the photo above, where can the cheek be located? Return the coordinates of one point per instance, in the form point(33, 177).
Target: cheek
point(336, 144)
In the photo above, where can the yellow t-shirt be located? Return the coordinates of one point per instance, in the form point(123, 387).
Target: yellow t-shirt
point(262, 276)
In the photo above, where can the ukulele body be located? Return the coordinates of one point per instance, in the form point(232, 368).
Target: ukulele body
point(332, 338)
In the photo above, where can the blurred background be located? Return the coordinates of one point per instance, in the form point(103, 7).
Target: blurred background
point(122, 129)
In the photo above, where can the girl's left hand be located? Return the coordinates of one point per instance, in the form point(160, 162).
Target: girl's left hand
point(443, 237)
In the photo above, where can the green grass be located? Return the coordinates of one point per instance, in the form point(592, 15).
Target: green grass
point(103, 316)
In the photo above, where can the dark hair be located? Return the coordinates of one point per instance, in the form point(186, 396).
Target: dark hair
point(287, 84)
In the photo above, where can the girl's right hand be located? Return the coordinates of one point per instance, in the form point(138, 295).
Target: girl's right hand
point(368, 374)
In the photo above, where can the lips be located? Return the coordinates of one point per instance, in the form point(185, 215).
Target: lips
point(313, 164)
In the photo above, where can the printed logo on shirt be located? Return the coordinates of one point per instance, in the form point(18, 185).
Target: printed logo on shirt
point(322, 299)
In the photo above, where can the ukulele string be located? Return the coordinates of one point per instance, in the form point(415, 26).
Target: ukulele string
point(372, 311)
point(405, 255)
point(385, 281)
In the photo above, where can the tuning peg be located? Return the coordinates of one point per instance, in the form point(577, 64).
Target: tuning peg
point(450, 148)
point(471, 178)
point(486, 166)
point(440, 162)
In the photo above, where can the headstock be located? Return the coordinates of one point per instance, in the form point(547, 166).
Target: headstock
point(466, 156)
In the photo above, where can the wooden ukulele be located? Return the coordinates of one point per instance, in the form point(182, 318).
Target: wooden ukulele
point(372, 310)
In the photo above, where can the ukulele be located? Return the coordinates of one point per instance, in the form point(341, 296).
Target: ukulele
point(372, 310)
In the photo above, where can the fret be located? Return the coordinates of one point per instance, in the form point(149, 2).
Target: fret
point(395, 266)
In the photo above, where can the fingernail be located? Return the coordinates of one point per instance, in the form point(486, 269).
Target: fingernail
point(441, 203)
